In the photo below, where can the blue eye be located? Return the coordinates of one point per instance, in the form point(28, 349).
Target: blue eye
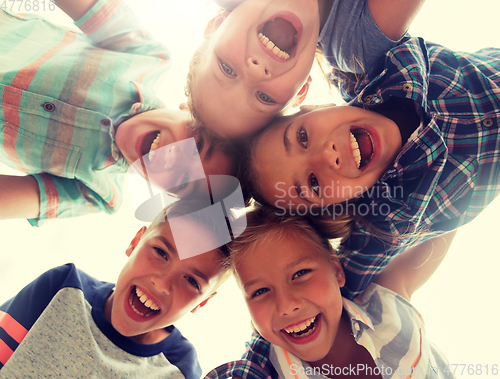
point(265, 98)
point(300, 273)
point(226, 69)
point(185, 182)
point(314, 184)
point(302, 137)
point(259, 292)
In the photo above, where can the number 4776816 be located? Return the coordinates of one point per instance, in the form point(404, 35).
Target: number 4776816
point(28, 5)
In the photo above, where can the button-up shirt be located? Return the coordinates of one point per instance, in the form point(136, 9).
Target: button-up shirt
point(62, 95)
point(447, 172)
point(384, 323)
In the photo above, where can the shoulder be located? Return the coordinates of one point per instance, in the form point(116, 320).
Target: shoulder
point(181, 353)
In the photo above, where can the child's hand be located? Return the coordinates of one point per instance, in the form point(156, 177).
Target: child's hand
point(19, 197)
point(75, 8)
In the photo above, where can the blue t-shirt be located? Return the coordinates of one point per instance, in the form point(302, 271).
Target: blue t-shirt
point(55, 326)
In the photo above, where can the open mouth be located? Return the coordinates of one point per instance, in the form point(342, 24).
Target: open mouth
point(302, 329)
point(280, 37)
point(362, 146)
point(141, 304)
point(150, 144)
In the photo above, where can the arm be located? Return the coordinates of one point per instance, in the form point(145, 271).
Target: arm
point(19, 197)
point(75, 8)
point(409, 270)
point(394, 17)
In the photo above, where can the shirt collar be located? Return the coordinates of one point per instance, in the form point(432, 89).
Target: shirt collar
point(357, 315)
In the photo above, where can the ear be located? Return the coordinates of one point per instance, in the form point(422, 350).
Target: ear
point(301, 96)
point(202, 304)
point(135, 241)
point(337, 266)
point(214, 24)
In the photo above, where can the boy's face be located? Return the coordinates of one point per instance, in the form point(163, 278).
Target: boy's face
point(155, 288)
point(158, 133)
point(325, 156)
point(292, 291)
point(241, 84)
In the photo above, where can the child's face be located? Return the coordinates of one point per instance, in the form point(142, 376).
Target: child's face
point(290, 285)
point(241, 84)
point(325, 156)
point(171, 287)
point(162, 130)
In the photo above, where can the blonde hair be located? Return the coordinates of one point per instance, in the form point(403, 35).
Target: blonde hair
point(265, 223)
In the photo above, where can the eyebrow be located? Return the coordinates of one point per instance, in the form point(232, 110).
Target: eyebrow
point(286, 141)
point(168, 244)
point(200, 275)
point(288, 147)
point(172, 248)
point(287, 267)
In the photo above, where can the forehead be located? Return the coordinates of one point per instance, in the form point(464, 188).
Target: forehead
point(278, 250)
point(181, 231)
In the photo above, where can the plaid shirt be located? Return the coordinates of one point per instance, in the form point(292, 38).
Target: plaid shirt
point(448, 171)
point(63, 92)
point(387, 325)
point(255, 363)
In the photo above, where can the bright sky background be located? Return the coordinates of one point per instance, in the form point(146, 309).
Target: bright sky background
point(459, 304)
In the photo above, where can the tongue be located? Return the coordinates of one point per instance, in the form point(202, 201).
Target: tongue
point(148, 140)
point(281, 32)
point(365, 146)
point(139, 306)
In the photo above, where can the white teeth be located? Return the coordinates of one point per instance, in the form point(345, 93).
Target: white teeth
point(299, 327)
point(272, 47)
point(146, 301)
point(154, 146)
point(355, 150)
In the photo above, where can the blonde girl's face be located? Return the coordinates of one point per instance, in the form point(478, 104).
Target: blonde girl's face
point(292, 291)
point(242, 83)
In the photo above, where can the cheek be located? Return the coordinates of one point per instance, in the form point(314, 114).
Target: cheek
point(261, 319)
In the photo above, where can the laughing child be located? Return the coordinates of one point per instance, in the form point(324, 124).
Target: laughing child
point(68, 324)
point(78, 108)
point(256, 59)
point(414, 153)
point(291, 277)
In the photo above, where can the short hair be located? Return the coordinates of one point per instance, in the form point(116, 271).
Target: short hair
point(264, 222)
point(185, 207)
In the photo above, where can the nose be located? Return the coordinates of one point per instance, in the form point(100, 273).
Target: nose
point(327, 156)
point(174, 154)
point(287, 302)
point(163, 283)
point(257, 69)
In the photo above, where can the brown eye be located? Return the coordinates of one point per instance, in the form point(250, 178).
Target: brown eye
point(302, 137)
point(313, 184)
